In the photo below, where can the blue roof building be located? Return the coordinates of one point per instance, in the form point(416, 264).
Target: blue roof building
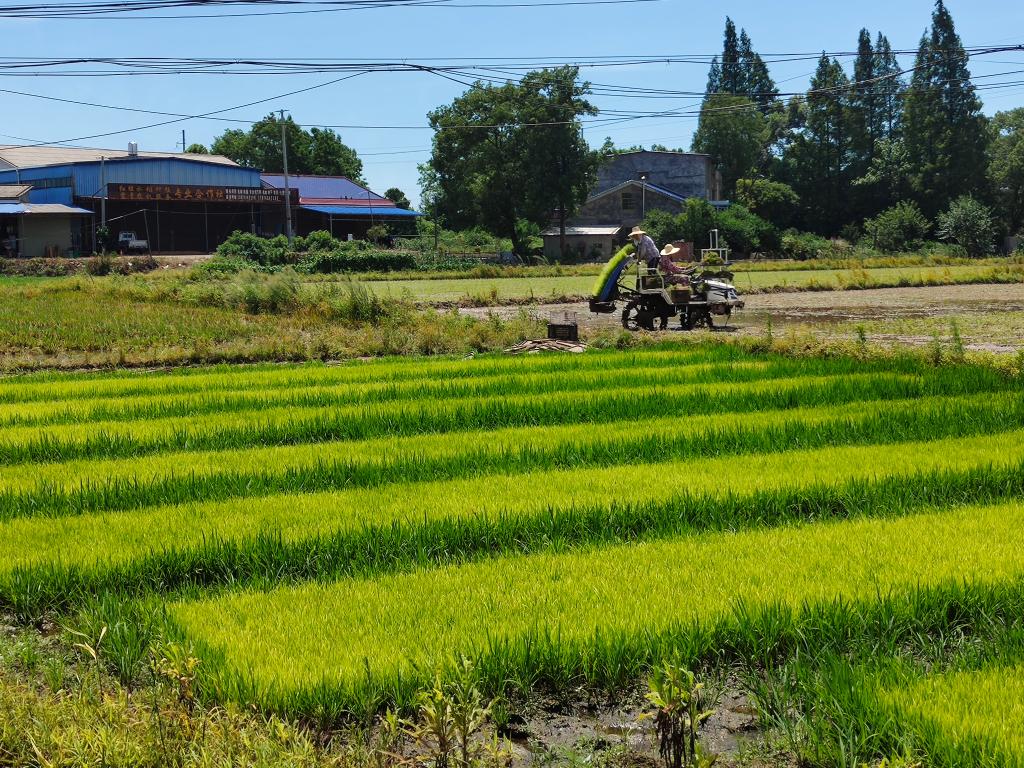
point(339, 205)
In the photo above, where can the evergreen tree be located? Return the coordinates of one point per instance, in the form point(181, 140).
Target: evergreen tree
point(820, 152)
point(761, 87)
point(945, 132)
point(734, 132)
point(714, 78)
point(746, 57)
point(732, 77)
point(741, 71)
point(890, 87)
point(863, 108)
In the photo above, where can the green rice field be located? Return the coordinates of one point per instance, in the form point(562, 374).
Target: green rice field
point(327, 539)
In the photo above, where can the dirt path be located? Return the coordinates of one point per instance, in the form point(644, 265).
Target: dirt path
point(990, 317)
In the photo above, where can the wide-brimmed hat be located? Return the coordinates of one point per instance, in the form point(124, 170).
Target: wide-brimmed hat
point(671, 250)
point(636, 231)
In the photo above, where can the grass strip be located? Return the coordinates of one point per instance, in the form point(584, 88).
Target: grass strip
point(47, 561)
point(76, 487)
point(319, 648)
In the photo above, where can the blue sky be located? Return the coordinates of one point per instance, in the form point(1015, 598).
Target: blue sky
point(667, 27)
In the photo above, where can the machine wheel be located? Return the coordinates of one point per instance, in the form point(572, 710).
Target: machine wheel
point(686, 319)
point(636, 316)
point(631, 316)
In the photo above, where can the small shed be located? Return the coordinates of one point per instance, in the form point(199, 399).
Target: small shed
point(582, 243)
point(37, 229)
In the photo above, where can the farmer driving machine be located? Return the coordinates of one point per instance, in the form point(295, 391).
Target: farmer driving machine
point(651, 297)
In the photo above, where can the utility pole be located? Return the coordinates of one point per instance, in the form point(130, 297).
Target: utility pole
point(183, 144)
point(103, 191)
point(287, 190)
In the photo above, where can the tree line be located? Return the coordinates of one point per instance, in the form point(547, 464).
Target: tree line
point(878, 140)
point(882, 153)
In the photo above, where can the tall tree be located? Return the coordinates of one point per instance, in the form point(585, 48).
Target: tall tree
point(506, 156)
point(760, 86)
point(863, 106)
point(889, 87)
point(714, 78)
point(753, 79)
point(741, 71)
point(1006, 168)
point(944, 130)
point(319, 151)
point(732, 76)
point(397, 196)
point(820, 151)
point(733, 131)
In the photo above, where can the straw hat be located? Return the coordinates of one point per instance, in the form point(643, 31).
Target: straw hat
point(637, 232)
point(670, 250)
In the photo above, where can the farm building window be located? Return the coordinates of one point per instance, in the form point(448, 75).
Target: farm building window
point(627, 201)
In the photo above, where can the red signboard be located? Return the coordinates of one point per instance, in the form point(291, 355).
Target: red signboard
point(191, 193)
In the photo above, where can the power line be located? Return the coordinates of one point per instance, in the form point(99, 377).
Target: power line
point(117, 10)
point(141, 66)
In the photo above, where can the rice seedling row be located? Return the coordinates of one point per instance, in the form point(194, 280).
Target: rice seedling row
point(663, 369)
point(116, 484)
point(245, 399)
point(293, 426)
point(44, 561)
point(961, 717)
point(56, 387)
point(322, 649)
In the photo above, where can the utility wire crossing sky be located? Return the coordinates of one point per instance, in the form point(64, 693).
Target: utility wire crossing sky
point(208, 65)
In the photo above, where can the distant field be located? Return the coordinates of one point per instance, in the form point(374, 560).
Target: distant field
point(497, 290)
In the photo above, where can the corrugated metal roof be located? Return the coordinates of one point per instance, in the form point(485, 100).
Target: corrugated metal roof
point(13, 156)
point(33, 209)
point(583, 230)
point(372, 203)
point(13, 191)
point(322, 187)
point(360, 211)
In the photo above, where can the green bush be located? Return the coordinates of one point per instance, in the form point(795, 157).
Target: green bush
point(803, 245)
point(257, 250)
point(900, 228)
point(321, 240)
point(692, 225)
point(221, 266)
point(349, 258)
point(662, 226)
point(969, 224)
point(746, 232)
point(771, 200)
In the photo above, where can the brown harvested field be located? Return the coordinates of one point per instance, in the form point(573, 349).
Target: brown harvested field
point(988, 317)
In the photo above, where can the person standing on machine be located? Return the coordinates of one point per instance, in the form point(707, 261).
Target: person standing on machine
point(646, 250)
